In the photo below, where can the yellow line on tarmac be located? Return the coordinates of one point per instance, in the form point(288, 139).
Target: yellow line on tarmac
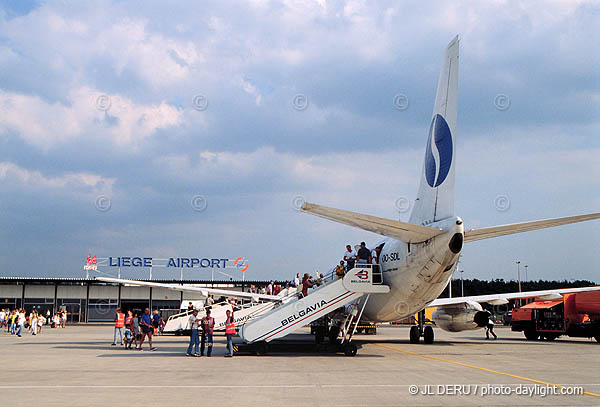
point(478, 368)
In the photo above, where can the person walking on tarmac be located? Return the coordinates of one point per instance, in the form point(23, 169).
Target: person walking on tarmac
point(194, 322)
point(229, 332)
point(208, 326)
point(147, 329)
point(130, 330)
point(490, 327)
point(119, 324)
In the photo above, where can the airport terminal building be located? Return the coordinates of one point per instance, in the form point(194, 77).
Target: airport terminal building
point(89, 300)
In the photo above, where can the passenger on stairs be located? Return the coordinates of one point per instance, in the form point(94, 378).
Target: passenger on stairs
point(349, 257)
point(297, 280)
point(375, 255)
point(364, 254)
point(340, 270)
point(306, 284)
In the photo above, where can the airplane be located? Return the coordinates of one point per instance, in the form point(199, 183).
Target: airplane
point(418, 257)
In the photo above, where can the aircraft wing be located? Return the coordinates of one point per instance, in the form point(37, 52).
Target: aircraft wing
point(499, 299)
point(407, 232)
point(495, 231)
point(204, 291)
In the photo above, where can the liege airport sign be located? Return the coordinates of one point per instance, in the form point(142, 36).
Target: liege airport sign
point(172, 262)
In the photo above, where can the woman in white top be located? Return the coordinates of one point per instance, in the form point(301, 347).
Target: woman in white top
point(34, 323)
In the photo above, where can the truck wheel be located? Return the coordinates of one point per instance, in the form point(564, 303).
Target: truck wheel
point(531, 334)
point(350, 349)
point(550, 337)
point(428, 335)
point(415, 336)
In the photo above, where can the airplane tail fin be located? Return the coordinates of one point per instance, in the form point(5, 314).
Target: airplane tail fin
point(435, 200)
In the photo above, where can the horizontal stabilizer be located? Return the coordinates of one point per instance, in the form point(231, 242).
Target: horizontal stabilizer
point(495, 231)
point(407, 232)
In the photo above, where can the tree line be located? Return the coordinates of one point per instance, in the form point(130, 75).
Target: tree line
point(499, 285)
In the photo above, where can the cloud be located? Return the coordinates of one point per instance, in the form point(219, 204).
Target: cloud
point(88, 114)
point(98, 98)
point(91, 183)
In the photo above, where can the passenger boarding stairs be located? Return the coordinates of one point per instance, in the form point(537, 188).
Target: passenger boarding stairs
point(179, 323)
point(298, 312)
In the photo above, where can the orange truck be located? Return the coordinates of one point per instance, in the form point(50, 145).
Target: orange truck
point(575, 315)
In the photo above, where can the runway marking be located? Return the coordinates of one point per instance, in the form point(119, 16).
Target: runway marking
point(193, 386)
point(479, 368)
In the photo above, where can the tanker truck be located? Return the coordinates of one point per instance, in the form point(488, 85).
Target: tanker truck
point(574, 315)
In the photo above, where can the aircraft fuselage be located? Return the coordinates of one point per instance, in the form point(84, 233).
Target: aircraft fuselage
point(416, 273)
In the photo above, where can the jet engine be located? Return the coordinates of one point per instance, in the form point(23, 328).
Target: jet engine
point(460, 317)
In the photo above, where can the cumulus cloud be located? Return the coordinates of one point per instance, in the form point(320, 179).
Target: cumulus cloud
point(102, 98)
point(88, 114)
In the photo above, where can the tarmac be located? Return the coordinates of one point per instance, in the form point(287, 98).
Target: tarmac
point(77, 366)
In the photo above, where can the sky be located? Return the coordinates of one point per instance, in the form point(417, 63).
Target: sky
point(194, 129)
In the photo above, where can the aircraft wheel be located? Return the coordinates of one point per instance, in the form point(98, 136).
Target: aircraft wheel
point(428, 335)
point(261, 348)
point(350, 349)
point(550, 337)
point(597, 338)
point(415, 336)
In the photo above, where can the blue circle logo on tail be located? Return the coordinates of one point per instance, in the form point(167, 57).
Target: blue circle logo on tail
point(438, 156)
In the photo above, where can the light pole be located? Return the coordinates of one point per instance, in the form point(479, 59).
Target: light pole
point(462, 284)
point(526, 279)
point(519, 276)
point(519, 273)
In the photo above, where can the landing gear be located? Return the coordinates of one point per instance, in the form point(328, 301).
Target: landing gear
point(350, 349)
point(416, 331)
point(415, 336)
point(428, 335)
point(334, 332)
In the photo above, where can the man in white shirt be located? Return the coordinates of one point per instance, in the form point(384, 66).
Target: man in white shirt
point(297, 280)
point(194, 323)
point(20, 323)
point(349, 257)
